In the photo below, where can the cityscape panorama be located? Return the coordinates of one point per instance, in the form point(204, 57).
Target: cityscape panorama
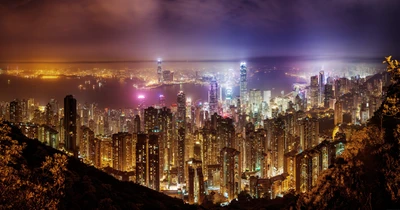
point(199, 104)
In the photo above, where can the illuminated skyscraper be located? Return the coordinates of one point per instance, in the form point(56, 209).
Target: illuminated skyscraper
point(15, 111)
point(321, 88)
point(150, 120)
point(181, 155)
point(243, 82)
point(314, 91)
point(70, 124)
point(338, 118)
point(141, 159)
point(159, 122)
point(159, 71)
point(181, 113)
point(328, 95)
point(87, 137)
point(255, 101)
point(230, 172)
point(213, 96)
point(136, 124)
point(153, 163)
point(122, 151)
point(309, 133)
point(228, 93)
point(147, 161)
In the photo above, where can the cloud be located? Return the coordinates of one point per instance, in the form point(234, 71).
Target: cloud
point(123, 29)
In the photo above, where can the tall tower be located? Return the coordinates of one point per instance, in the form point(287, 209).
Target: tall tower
point(181, 114)
point(321, 89)
point(213, 96)
point(122, 149)
point(159, 71)
point(314, 91)
point(15, 111)
point(181, 155)
point(243, 82)
point(147, 161)
point(338, 117)
point(70, 124)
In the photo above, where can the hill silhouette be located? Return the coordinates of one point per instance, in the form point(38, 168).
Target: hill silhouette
point(83, 186)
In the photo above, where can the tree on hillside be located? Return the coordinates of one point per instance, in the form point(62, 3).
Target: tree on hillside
point(367, 174)
point(22, 187)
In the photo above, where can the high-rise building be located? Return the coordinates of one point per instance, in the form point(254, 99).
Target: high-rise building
point(328, 95)
point(168, 76)
point(159, 71)
point(195, 181)
point(87, 137)
point(15, 111)
point(228, 93)
point(230, 173)
point(122, 151)
point(338, 118)
point(181, 113)
point(136, 124)
point(255, 101)
point(153, 163)
point(314, 89)
point(275, 143)
point(181, 155)
point(213, 96)
point(150, 120)
point(309, 133)
point(159, 122)
point(70, 117)
point(243, 83)
point(141, 159)
point(321, 84)
point(147, 161)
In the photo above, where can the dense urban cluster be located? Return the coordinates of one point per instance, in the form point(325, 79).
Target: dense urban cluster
point(263, 145)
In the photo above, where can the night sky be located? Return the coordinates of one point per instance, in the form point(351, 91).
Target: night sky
point(105, 30)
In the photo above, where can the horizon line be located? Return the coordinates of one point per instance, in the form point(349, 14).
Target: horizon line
point(344, 58)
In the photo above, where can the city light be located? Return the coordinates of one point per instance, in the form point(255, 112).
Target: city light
point(254, 105)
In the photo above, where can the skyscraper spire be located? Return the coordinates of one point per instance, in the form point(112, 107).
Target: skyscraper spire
point(243, 83)
point(213, 97)
point(159, 70)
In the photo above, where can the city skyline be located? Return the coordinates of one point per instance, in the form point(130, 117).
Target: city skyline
point(68, 31)
point(239, 104)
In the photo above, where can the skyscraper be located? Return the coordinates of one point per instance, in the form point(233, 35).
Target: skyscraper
point(141, 159)
point(181, 155)
point(153, 162)
point(15, 111)
point(147, 161)
point(122, 146)
point(314, 91)
point(321, 88)
point(328, 95)
point(243, 82)
point(159, 71)
point(70, 124)
point(213, 96)
point(338, 118)
point(230, 172)
point(181, 113)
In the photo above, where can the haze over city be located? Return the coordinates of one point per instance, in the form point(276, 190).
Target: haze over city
point(75, 30)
